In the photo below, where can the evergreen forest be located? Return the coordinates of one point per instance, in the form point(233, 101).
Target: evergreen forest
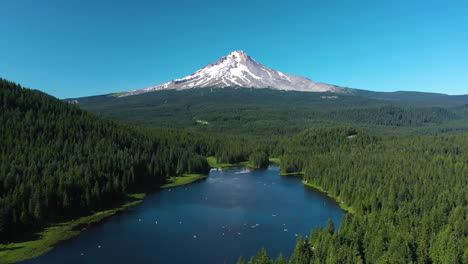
point(399, 169)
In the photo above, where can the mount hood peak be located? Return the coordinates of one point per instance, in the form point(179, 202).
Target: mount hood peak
point(238, 69)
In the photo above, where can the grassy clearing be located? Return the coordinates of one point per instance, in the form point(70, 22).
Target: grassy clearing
point(183, 180)
point(15, 252)
point(214, 163)
point(248, 165)
point(298, 173)
point(340, 202)
point(274, 160)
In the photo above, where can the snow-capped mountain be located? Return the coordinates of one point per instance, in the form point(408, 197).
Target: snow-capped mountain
point(238, 69)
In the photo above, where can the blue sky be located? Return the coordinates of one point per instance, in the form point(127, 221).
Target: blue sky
point(80, 48)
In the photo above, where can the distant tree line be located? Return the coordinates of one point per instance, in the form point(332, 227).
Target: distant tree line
point(268, 112)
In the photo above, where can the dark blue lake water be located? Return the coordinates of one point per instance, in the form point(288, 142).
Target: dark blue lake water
point(231, 213)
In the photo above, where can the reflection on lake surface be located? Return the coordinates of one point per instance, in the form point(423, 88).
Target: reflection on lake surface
point(231, 213)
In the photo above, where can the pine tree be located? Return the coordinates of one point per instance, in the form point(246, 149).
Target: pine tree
point(240, 260)
point(281, 259)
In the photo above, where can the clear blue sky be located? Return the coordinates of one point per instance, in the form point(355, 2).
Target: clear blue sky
point(80, 48)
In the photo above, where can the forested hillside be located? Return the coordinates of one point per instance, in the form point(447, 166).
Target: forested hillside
point(419, 98)
point(408, 196)
point(274, 112)
point(58, 161)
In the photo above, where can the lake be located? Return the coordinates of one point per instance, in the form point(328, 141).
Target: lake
point(215, 220)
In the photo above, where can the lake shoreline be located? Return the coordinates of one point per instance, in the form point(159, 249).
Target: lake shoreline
point(347, 208)
point(52, 235)
point(184, 180)
point(56, 233)
point(214, 164)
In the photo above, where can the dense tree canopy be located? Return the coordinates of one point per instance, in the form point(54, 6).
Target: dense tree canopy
point(259, 160)
point(409, 195)
point(270, 112)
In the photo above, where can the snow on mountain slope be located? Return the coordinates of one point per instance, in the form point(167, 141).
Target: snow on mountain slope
point(238, 69)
